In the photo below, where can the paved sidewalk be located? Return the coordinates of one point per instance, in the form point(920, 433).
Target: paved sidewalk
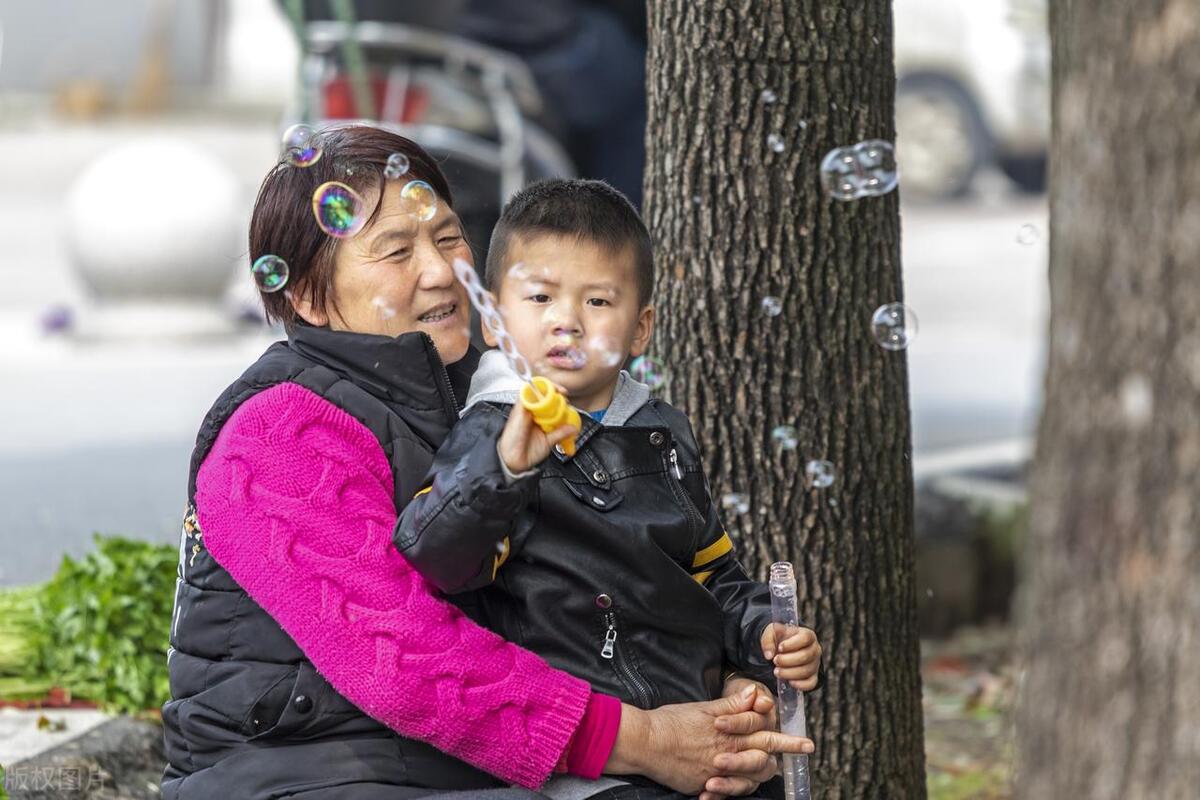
point(21, 737)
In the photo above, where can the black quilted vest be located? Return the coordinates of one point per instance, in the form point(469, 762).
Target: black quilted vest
point(249, 716)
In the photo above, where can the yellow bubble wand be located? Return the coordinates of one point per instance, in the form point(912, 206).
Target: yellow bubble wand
point(541, 399)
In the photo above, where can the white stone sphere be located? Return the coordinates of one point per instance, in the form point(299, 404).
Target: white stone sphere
point(156, 219)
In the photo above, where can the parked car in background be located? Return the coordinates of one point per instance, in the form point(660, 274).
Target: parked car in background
point(973, 89)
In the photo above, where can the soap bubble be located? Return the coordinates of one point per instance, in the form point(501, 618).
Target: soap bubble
point(775, 142)
point(397, 166)
point(867, 169)
point(606, 350)
point(735, 502)
point(820, 474)
point(894, 326)
point(299, 146)
point(772, 306)
point(768, 96)
point(419, 199)
point(386, 311)
point(786, 436)
point(270, 273)
point(1028, 234)
point(339, 210)
point(648, 371)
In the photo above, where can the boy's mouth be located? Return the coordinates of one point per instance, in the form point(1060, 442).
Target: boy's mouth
point(438, 313)
point(566, 357)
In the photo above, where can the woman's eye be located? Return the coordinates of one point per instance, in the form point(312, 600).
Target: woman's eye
point(447, 241)
point(398, 255)
point(540, 298)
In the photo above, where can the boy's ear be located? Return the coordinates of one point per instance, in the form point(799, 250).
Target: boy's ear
point(641, 334)
point(489, 336)
point(302, 303)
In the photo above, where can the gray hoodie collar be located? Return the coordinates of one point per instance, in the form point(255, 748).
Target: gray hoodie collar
point(496, 382)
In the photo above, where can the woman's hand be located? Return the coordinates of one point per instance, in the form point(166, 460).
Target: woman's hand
point(756, 765)
point(523, 445)
point(682, 746)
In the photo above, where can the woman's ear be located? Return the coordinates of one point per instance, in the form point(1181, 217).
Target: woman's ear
point(302, 304)
point(641, 334)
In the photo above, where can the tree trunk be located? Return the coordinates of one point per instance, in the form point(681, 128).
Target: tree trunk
point(737, 216)
point(1110, 705)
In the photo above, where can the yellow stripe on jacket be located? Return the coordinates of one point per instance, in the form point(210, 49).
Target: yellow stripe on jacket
point(714, 551)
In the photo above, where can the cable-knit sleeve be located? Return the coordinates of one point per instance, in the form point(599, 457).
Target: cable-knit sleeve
point(295, 502)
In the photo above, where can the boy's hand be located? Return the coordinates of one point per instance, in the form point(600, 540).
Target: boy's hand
point(523, 445)
point(796, 653)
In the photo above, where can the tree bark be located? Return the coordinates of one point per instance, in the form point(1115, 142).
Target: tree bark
point(1110, 704)
point(734, 220)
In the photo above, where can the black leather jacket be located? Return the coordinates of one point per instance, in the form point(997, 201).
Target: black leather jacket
point(612, 565)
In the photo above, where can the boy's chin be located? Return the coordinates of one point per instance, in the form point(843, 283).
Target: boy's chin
point(580, 384)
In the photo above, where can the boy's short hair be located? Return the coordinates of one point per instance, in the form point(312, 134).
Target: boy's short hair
point(587, 209)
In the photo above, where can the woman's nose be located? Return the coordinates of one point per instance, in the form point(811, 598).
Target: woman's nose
point(436, 271)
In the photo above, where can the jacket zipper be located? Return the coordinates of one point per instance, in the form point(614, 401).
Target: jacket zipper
point(689, 508)
point(443, 377)
point(628, 675)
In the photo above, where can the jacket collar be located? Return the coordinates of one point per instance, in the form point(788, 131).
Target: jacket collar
point(404, 371)
point(496, 382)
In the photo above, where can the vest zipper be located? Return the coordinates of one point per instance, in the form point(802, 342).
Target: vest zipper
point(642, 690)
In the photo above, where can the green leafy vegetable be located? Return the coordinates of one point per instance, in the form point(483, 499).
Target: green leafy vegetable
point(98, 628)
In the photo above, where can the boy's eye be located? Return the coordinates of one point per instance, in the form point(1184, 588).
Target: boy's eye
point(598, 301)
point(540, 298)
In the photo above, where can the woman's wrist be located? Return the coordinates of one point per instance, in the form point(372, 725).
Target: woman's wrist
point(633, 737)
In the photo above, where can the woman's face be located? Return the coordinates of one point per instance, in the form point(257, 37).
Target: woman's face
point(395, 276)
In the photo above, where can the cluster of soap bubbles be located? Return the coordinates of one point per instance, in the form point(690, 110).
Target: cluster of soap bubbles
point(270, 273)
point(819, 474)
point(300, 146)
point(649, 371)
point(867, 169)
point(894, 326)
point(490, 315)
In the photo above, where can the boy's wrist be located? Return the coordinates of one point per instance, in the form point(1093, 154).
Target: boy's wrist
point(511, 477)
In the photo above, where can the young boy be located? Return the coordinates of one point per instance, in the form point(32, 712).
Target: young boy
point(611, 564)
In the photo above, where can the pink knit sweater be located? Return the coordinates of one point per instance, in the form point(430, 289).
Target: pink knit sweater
point(295, 502)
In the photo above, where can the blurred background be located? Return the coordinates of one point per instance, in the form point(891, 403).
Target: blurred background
point(133, 136)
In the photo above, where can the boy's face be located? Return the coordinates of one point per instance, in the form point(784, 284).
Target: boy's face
point(572, 308)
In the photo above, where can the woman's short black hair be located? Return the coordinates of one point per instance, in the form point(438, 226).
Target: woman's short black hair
point(587, 209)
point(283, 224)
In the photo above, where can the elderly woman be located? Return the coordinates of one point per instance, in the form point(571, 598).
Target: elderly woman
point(307, 658)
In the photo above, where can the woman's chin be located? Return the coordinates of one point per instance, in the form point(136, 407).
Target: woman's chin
point(451, 343)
